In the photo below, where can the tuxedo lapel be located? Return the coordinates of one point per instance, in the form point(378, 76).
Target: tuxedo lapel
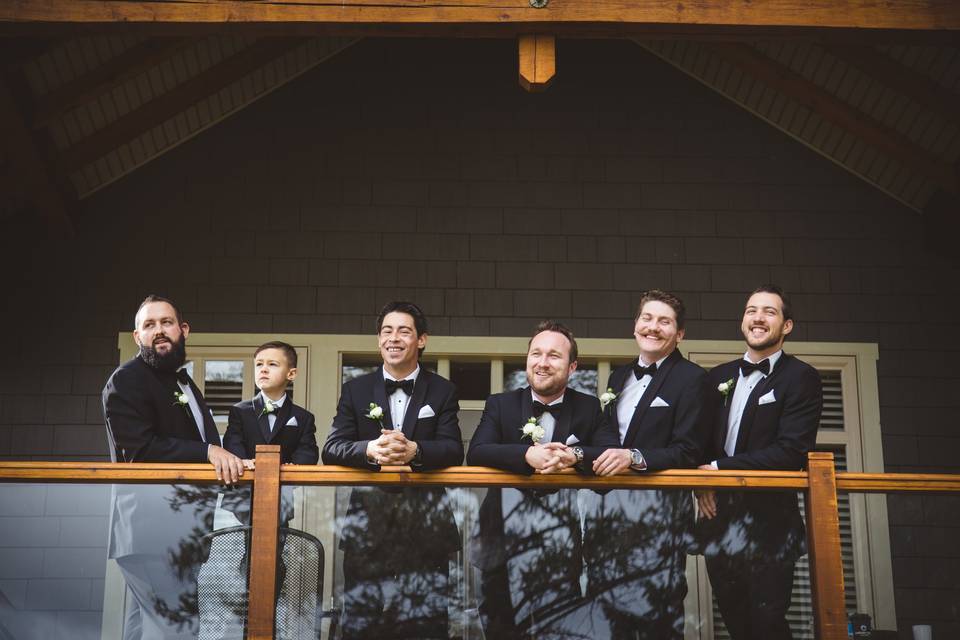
point(283, 415)
point(724, 414)
point(416, 402)
point(263, 422)
point(526, 412)
point(211, 435)
point(659, 377)
point(746, 421)
point(617, 381)
point(380, 398)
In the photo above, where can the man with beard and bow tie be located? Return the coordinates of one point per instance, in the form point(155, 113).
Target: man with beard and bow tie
point(768, 412)
point(155, 413)
point(635, 542)
point(528, 547)
point(397, 543)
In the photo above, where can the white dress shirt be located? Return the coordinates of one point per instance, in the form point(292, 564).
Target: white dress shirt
point(399, 401)
point(738, 402)
point(547, 421)
point(272, 416)
point(630, 396)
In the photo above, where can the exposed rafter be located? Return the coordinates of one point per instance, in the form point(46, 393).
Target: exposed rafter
point(168, 105)
point(627, 15)
point(911, 83)
point(538, 61)
point(130, 64)
point(796, 87)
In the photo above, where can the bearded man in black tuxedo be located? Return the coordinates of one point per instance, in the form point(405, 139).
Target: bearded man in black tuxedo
point(155, 413)
point(768, 411)
point(397, 544)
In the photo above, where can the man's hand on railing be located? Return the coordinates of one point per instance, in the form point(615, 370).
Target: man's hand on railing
point(391, 448)
point(707, 498)
point(540, 457)
point(229, 467)
point(564, 457)
point(612, 461)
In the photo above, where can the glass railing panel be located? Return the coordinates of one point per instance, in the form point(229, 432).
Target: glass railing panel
point(101, 561)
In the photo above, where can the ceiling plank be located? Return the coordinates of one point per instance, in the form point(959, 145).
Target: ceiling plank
point(35, 181)
point(131, 63)
point(852, 14)
point(911, 83)
point(826, 105)
point(169, 104)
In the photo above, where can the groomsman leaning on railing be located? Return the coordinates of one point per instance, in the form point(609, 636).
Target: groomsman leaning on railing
point(768, 410)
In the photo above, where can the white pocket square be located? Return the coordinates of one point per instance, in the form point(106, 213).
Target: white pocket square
point(425, 412)
point(292, 422)
point(572, 440)
point(767, 398)
point(659, 402)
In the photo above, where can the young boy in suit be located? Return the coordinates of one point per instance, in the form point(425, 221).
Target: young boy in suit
point(271, 417)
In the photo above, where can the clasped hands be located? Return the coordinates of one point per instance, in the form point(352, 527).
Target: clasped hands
point(707, 498)
point(550, 457)
point(391, 448)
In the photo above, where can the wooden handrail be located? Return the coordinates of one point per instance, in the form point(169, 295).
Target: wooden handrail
point(328, 475)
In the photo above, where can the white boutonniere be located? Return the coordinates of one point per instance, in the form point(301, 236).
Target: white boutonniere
point(182, 399)
point(268, 407)
point(606, 398)
point(375, 413)
point(725, 388)
point(532, 429)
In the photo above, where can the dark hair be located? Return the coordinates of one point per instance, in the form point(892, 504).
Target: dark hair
point(668, 299)
point(155, 298)
point(787, 308)
point(556, 327)
point(412, 310)
point(288, 351)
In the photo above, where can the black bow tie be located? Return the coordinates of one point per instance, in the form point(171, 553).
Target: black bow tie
point(639, 370)
point(539, 409)
point(747, 367)
point(405, 385)
point(183, 376)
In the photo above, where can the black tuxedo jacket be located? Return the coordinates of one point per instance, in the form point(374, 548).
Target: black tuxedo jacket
point(773, 436)
point(497, 441)
point(249, 426)
point(144, 422)
point(672, 436)
point(438, 435)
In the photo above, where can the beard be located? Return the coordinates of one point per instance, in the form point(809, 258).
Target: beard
point(764, 344)
point(169, 361)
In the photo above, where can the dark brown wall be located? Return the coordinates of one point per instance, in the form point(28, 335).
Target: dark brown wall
point(419, 169)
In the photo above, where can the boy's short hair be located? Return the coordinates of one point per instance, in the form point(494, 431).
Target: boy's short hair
point(288, 351)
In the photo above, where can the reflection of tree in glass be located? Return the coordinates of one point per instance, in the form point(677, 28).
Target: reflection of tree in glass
point(748, 526)
point(397, 546)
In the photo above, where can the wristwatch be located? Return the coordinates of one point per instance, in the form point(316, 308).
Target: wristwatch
point(578, 451)
point(417, 457)
point(636, 460)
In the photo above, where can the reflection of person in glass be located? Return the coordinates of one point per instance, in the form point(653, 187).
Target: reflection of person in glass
point(769, 407)
point(528, 547)
point(635, 542)
point(155, 413)
point(397, 544)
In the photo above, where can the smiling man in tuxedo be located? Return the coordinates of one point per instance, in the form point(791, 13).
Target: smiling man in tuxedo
point(529, 541)
point(769, 406)
point(397, 544)
point(155, 413)
point(662, 412)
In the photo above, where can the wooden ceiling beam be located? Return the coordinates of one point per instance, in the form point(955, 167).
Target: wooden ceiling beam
point(36, 183)
point(167, 105)
point(852, 14)
point(131, 63)
point(826, 105)
point(911, 83)
point(538, 61)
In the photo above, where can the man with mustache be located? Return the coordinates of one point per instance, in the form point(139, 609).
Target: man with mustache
point(155, 413)
point(768, 411)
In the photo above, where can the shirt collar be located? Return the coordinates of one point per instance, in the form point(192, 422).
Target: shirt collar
point(659, 362)
point(412, 376)
point(276, 403)
point(772, 358)
point(549, 404)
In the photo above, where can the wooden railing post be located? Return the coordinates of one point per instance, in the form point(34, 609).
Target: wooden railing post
point(826, 564)
point(263, 544)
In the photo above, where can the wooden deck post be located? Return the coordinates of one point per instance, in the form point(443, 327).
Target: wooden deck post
point(263, 544)
point(826, 564)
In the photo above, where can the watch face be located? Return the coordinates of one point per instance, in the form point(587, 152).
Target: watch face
point(635, 457)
